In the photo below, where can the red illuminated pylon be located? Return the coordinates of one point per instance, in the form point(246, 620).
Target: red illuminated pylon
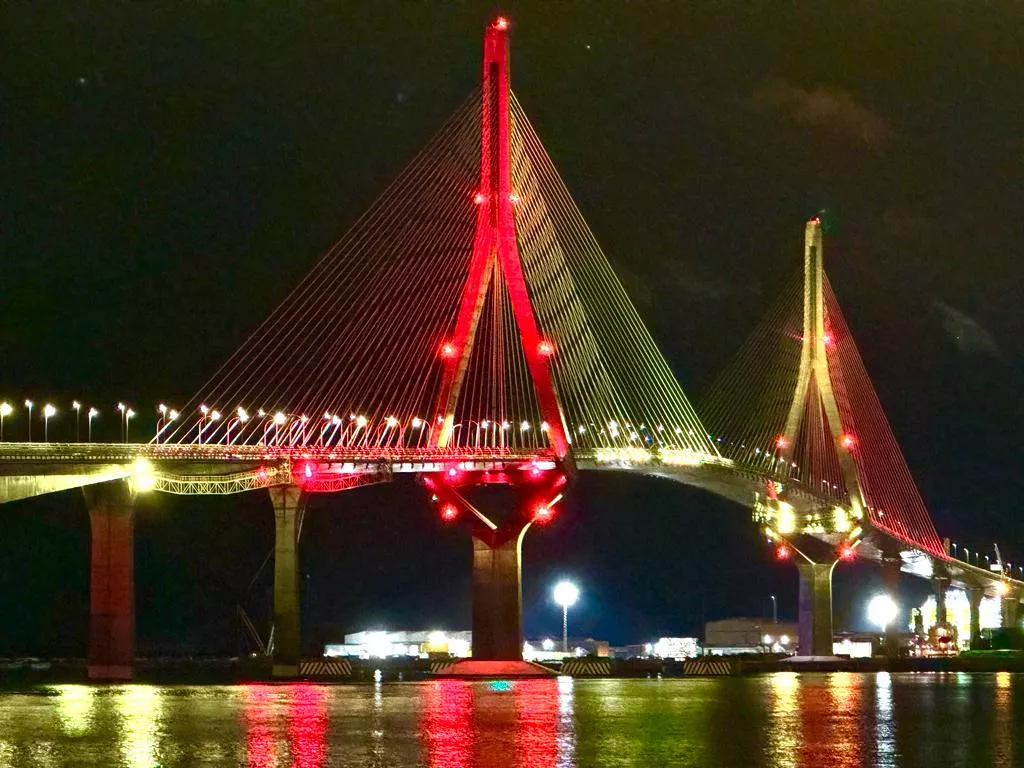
point(494, 248)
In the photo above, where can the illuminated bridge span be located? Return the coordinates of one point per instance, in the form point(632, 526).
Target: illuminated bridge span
point(469, 330)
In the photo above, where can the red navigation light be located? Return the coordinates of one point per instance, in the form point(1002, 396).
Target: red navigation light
point(546, 348)
point(826, 338)
point(542, 513)
point(479, 198)
point(848, 441)
point(846, 552)
point(453, 472)
point(449, 512)
point(448, 350)
point(781, 442)
point(501, 23)
point(782, 552)
point(263, 473)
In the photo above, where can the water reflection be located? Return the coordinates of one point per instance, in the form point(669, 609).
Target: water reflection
point(784, 729)
point(75, 706)
point(885, 731)
point(1003, 722)
point(524, 723)
point(845, 690)
point(139, 708)
point(302, 741)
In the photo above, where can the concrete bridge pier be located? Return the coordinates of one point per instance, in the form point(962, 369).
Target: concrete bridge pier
point(814, 623)
point(974, 595)
point(287, 501)
point(498, 594)
point(940, 584)
point(111, 581)
point(891, 565)
point(1009, 606)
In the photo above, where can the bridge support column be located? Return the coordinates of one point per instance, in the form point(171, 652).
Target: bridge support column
point(891, 573)
point(814, 625)
point(1009, 606)
point(974, 595)
point(941, 584)
point(498, 596)
point(111, 580)
point(287, 639)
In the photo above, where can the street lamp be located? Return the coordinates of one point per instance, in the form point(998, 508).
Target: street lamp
point(29, 404)
point(127, 418)
point(124, 432)
point(775, 609)
point(93, 413)
point(48, 411)
point(5, 411)
point(78, 427)
point(566, 594)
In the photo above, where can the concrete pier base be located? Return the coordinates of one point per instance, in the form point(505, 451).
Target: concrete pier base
point(1009, 610)
point(111, 581)
point(814, 624)
point(941, 584)
point(287, 638)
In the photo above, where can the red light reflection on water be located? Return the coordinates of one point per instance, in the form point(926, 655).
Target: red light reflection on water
point(307, 725)
point(259, 726)
point(490, 725)
point(305, 711)
point(445, 725)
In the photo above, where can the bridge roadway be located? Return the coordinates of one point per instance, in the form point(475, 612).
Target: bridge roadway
point(32, 469)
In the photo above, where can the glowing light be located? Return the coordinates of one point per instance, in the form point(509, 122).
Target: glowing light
point(546, 348)
point(279, 418)
point(6, 409)
point(524, 426)
point(782, 552)
point(449, 512)
point(202, 409)
point(784, 639)
point(544, 426)
point(566, 593)
point(542, 513)
point(93, 413)
point(143, 478)
point(505, 425)
point(417, 422)
point(448, 350)
point(846, 552)
point(437, 637)
point(547, 644)
point(1002, 588)
point(581, 429)
point(882, 611)
point(785, 518)
point(767, 639)
point(49, 410)
point(214, 415)
point(162, 408)
point(479, 198)
point(307, 471)
point(261, 413)
point(501, 23)
point(392, 422)
point(242, 415)
point(452, 472)
point(360, 421)
point(781, 442)
point(848, 441)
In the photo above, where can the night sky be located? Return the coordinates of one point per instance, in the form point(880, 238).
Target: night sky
point(169, 171)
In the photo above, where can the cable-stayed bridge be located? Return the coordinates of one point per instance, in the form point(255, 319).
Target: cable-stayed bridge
point(469, 330)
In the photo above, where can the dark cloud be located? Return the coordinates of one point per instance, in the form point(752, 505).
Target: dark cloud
point(967, 333)
point(825, 110)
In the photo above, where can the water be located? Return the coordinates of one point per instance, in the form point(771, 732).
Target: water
point(784, 719)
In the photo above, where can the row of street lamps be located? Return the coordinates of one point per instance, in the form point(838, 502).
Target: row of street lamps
point(50, 410)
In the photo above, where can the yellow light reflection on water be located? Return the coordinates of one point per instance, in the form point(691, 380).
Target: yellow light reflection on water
point(139, 707)
point(1003, 722)
point(784, 720)
point(75, 707)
